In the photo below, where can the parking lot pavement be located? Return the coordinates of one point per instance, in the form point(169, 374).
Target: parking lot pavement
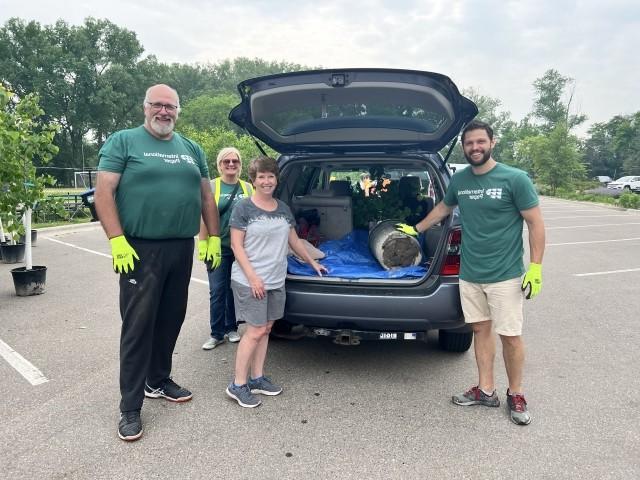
point(380, 410)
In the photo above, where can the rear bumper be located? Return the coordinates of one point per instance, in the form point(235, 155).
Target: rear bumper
point(414, 309)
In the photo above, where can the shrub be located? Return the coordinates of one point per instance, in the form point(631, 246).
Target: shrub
point(629, 200)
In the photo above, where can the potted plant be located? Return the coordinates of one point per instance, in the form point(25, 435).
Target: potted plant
point(383, 203)
point(24, 137)
point(12, 251)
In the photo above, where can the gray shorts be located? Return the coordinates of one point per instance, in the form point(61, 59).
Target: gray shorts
point(256, 311)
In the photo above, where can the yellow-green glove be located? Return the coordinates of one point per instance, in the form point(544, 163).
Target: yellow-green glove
point(123, 254)
point(533, 280)
point(214, 251)
point(406, 229)
point(202, 250)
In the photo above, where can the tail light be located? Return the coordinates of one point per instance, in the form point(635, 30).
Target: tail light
point(451, 264)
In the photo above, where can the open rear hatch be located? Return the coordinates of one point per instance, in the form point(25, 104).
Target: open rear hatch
point(353, 110)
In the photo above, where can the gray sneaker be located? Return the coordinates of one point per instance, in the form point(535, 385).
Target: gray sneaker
point(475, 396)
point(242, 395)
point(233, 336)
point(518, 409)
point(212, 343)
point(264, 386)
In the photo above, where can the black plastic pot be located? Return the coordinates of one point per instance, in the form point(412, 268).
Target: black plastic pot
point(12, 253)
point(2, 244)
point(34, 238)
point(29, 282)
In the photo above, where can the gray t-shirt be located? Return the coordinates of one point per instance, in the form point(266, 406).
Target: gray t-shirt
point(266, 241)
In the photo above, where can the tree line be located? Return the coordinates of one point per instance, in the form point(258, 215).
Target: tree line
point(91, 78)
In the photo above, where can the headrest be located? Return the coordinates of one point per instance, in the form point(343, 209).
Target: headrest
point(322, 193)
point(340, 187)
point(409, 186)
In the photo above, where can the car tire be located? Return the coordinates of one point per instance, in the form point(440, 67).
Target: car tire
point(454, 341)
point(627, 188)
point(282, 326)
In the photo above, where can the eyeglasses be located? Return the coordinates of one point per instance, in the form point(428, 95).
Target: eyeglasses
point(156, 106)
point(228, 161)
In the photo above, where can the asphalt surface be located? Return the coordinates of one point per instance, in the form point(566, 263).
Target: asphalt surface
point(376, 411)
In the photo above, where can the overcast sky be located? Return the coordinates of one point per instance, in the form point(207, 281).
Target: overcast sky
point(497, 47)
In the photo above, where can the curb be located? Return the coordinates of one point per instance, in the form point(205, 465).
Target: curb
point(596, 204)
point(74, 226)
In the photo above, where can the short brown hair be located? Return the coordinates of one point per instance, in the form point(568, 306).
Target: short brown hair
point(263, 164)
point(477, 125)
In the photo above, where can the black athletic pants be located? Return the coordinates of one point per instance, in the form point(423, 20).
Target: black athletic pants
point(153, 303)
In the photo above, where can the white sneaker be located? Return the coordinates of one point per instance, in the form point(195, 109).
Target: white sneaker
point(233, 336)
point(212, 343)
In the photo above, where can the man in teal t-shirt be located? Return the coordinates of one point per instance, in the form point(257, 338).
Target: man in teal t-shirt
point(152, 189)
point(494, 200)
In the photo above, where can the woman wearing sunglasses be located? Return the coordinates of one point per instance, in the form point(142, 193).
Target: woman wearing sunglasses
point(228, 189)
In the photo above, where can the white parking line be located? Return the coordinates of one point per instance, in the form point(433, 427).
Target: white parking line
point(193, 279)
point(592, 226)
point(569, 210)
point(585, 216)
point(593, 241)
point(606, 273)
point(79, 248)
point(22, 365)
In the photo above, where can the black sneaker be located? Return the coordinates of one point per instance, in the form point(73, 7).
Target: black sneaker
point(130, 426)
point(169, 390)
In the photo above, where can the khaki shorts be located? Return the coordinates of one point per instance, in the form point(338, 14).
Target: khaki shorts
point(500, 302)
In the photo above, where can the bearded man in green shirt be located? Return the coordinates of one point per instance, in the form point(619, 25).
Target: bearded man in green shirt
point(493, 199)
point(153, 187)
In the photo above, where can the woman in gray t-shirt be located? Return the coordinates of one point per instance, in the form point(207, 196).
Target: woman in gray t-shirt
point(262, 228)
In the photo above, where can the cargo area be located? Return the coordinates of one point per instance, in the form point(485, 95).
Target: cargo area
point(346, 212)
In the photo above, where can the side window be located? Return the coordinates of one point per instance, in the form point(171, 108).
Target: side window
point(307, 181)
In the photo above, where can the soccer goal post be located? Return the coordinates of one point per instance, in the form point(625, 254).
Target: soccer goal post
point(84, 179)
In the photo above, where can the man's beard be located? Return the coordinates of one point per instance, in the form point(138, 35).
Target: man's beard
point(477, 163)
point(161, 128)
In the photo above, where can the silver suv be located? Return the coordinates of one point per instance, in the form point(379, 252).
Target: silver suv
point(332, 129)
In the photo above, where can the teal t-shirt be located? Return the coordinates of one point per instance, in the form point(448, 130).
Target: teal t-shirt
point(490, 206)
point(225, 194)
point(159, 194)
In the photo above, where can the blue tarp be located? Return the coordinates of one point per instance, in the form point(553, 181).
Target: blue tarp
point(350, 257)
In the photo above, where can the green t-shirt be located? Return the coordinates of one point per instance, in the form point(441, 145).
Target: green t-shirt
point(225, 193)
point(490, 206)
point(159, 194)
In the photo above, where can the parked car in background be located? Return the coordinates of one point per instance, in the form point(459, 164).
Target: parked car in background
point(456, 167)
point(626, 183)
point(329, 126)
point(603, 180)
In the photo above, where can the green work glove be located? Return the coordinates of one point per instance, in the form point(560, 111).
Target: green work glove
point(406, 229)
point(123, 254)
point(202, 250)
point(214, 251)
point(533, 280)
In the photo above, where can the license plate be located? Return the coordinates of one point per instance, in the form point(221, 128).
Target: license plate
point(388, 336)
